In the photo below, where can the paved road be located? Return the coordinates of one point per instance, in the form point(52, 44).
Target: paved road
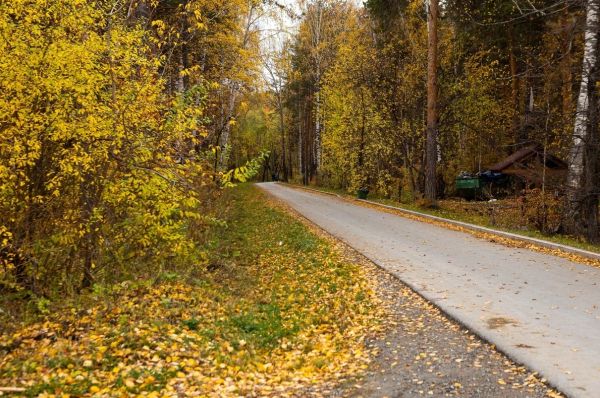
point(543, 311)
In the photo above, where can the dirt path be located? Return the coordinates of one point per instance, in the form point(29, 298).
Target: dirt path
point(541, 310)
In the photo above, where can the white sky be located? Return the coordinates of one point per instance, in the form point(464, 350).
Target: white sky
point(279, 27)
point(283, 26)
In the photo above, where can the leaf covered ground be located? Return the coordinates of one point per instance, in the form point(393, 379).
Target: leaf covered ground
point(277, 312)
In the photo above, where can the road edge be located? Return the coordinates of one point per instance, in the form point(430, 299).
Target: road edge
point(477, 228)
point(513, 355)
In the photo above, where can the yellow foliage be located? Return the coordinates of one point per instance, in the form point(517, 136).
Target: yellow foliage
point(91, 148)
point(217, 338)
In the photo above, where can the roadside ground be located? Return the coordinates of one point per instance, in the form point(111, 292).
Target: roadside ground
point(281, 310)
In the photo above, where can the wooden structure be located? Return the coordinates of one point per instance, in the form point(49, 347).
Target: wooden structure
point(531, 166)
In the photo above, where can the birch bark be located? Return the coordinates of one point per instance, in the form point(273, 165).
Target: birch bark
point(581, 215)
point(580, 129)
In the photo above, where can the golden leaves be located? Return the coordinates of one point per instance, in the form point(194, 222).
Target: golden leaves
point(294, 321)
point(88, 151)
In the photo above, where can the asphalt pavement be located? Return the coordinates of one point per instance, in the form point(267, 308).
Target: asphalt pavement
point(541, 310)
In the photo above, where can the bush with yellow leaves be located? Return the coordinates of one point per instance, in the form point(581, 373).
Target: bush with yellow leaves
point(99, 171)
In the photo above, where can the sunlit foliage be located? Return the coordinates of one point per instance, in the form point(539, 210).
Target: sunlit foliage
point(102, 168)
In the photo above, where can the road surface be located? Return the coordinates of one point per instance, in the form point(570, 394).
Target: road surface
point(542, 311)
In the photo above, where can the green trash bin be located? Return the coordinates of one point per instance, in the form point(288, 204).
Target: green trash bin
point(468, 187)
point(362, 193)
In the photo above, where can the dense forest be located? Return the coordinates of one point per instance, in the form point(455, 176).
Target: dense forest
point(137, 259)
point(123, 121)
point(401, 97)
point(115, 120)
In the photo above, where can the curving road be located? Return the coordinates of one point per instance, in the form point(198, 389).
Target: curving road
point(543, 311)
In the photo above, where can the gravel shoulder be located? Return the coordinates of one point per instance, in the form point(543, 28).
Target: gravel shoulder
point(422, 352)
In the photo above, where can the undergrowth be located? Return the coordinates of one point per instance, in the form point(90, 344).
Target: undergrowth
point(278, 311)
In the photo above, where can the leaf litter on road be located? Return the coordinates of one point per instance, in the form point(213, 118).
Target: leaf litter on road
point(422, 352)
point(326, 322)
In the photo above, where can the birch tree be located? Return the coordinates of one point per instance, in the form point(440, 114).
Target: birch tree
point(277, 67)
point(322, 24)
point(316, 37)
point(253, 14)
point(582, 202)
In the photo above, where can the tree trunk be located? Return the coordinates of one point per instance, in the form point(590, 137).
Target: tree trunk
point(514, 87)
point(565, 65)
point(89, 199)
point(235, 88)
point(410, 169)
point(318, 129)
point(300, 140)
point(578, 216)
point(230, 112)
point(284, 170)
point(317, 30)
point(138, 10)
point(432, 117)
point(589, 203)
point(361, 145)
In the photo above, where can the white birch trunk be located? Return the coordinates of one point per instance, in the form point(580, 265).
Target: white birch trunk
point(580, 130)
point(234, 90)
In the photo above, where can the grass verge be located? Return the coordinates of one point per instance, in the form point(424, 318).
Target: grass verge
point(278, 312)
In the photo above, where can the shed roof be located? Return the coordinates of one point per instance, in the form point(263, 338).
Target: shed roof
point(524, 154)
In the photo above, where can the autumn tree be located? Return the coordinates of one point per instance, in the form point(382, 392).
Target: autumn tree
point(355, 145)
point(401, 98)
point(104, 122)
point(431, 153)
point(582, 180)
point(314, 49)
